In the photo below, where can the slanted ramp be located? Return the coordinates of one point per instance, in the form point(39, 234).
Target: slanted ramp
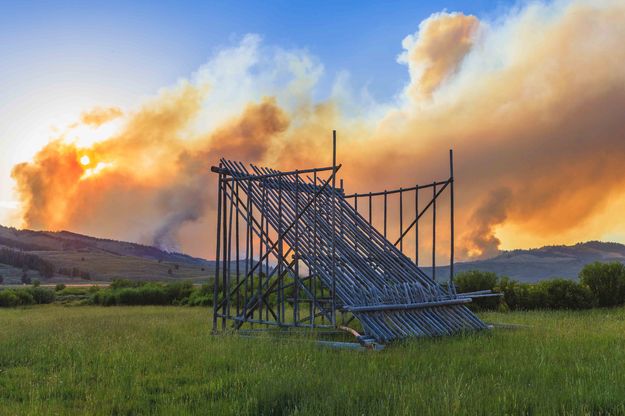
point(294, 251)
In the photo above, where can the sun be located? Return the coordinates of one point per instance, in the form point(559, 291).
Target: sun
point(85, 160)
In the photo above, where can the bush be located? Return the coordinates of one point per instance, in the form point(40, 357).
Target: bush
point(126, 292)
point(24, 297)
point(474, 280)
point(151, 294)
point(8, 298)
point(41, 296)
point(179, 290)
point(606, 281)
point(36, 283)
point(104, 298)
point(564, 294)
point(59, 287)
point(202, 296)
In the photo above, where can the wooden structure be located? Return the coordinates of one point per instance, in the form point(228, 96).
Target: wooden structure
point(293, 250)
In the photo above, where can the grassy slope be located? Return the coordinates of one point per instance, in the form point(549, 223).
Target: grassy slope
point(125, 360)
point(106, 266)
point(103, 259)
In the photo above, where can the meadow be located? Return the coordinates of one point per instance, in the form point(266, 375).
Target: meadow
point(164, 360)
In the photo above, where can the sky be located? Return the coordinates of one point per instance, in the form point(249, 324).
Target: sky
point(404, 73)
point(60, 58)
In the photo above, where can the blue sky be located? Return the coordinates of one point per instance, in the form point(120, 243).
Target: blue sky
point(153, 43)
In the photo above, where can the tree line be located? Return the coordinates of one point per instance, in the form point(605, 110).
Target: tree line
point(27, 261)
point(598, 285)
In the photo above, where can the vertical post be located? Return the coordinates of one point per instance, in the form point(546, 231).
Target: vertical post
point(370, 227)
point(434, 231)
point(385, 238)
point(333, 227)
point(451, 214)
point(216, 277)
point(251, 278)
point(370, 213)
point(356, 209)
point(313, 272)
point(224, 255)
point(248, 232)
point(296, 254)
point(281, 308)
point(267, 247)
point(238, 301)
point(261, 246)
point(229, 257)
point(416, 226)
point(385, 204)
point(401, 219)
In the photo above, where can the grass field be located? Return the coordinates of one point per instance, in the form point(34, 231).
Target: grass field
point(163, 360)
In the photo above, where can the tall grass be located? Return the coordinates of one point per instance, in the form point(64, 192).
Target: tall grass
point(157, 360)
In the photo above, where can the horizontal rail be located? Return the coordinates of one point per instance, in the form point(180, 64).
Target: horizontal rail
point(406, 306)
point(396, 191)
point(225, 171)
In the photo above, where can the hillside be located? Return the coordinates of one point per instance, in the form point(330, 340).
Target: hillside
point(105, 260)
point(546, 262)
point(99, 259)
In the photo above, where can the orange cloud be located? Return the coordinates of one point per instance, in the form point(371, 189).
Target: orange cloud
point(99, 115)
point(532, 105)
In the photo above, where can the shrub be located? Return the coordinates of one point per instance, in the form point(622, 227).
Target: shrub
point(511, 292)
point(36, 283)
point(59, 287)
point(24, 297)
point(104, 298)
point(606, 281)
point(474, 280)
point(564, 294)
point(179, 290)
point(202, 296)
point(8, 298)
point(41, 296)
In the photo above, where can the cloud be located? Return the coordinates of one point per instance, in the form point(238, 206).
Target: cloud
point(436, 51)
point(531, 103)
point(98, 116)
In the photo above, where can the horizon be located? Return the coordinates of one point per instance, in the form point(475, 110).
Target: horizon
point(114, 134)
point(443, 265)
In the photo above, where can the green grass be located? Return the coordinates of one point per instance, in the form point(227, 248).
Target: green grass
point(163, 360)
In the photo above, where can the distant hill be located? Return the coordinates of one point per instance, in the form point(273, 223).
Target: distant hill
point(105, 259)
point(102, 259)
point(545, 262)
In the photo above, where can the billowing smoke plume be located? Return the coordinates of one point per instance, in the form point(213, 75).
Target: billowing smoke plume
point(531, 103)
point(437, 49)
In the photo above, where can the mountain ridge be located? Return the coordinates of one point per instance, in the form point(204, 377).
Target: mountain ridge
point(133, 260)
point(531, 265)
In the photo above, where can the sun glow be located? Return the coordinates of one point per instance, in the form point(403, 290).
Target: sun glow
point(95, 170)
point(85, 160)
